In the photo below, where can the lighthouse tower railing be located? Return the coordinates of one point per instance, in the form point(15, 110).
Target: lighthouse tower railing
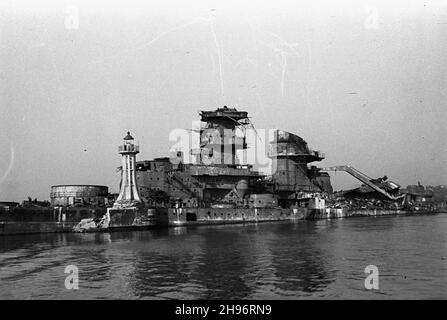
point(128, 148)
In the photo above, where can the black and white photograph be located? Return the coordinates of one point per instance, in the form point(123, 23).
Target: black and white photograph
point(240, 151)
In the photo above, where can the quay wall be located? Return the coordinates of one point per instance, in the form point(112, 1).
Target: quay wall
point(64, 219)
point(50, 214)
point(23, 220)
point(32, 227)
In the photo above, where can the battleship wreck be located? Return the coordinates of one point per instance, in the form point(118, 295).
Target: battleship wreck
point(217, 188)
point(214, 188)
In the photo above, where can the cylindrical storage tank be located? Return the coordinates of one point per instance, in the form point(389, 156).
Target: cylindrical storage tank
point(78, 195)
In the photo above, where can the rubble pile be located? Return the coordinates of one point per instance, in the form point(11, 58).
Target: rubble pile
point(363, 204)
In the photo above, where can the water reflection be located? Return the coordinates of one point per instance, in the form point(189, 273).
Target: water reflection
point(253, 261)
point(225, 259)
point(298, 261)
point(163, 266)
point(229, 263)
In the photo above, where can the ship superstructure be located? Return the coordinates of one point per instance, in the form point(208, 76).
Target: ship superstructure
point(292, 177)
point(217, 179)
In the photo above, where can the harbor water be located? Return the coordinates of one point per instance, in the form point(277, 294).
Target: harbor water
point(322, 259)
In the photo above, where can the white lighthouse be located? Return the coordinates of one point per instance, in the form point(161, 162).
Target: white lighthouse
point(128, 195)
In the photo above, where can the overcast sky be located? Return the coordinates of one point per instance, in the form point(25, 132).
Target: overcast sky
point(363, 81)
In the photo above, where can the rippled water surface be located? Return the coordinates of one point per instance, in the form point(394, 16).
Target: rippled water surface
point(282, 260)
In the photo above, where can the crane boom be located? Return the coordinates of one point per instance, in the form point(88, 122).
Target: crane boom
point(363, 178)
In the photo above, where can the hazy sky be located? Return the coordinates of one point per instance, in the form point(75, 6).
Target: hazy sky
point(363, 81)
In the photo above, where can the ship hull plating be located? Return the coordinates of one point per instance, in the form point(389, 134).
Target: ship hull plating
point(142, 219)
